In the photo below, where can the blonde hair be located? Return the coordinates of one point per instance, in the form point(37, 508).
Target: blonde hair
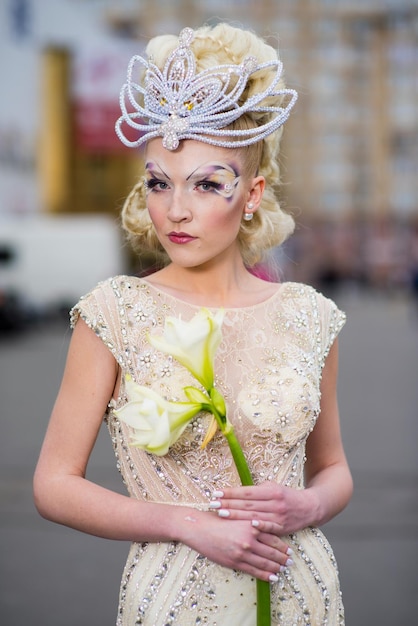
point(219, 45)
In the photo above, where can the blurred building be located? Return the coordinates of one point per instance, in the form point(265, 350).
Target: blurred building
point(350, 147)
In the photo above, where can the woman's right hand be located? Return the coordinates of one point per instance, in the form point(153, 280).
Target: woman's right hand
point(251, 547)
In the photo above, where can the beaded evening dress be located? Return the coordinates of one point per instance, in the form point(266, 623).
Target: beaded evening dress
point(268, 368)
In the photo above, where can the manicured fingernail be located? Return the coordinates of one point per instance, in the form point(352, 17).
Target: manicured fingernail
point(273, 578)
point(282, 568)
point(289, 562)
point(218, 494)
point(289, 551)
point(223, 513)
point(255, 522)
point(215, 504)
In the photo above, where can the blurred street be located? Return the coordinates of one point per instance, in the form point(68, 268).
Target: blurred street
point(54, 576)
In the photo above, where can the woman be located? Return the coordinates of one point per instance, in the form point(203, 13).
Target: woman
point(212, 105)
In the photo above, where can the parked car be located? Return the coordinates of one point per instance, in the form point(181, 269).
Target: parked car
point(48, 262)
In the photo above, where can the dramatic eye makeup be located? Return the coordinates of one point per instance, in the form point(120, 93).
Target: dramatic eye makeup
point(219, 177)
point(216, 177)
point(155, 179)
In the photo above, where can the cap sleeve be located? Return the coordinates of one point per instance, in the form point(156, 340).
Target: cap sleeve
point(98, 309)
point(331, 319)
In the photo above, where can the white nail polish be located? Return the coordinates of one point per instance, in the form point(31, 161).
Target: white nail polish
point(255, 523)
point(218, 494)
point(223, 513)
point(289, 562)
point(273, 578)
point(289, 551)
point(215, 504)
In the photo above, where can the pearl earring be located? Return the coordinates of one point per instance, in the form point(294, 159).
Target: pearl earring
point(249, 216)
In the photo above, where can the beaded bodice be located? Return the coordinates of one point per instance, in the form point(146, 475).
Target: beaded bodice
point(268, 367)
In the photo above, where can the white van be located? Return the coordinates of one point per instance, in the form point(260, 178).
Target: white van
point(48, 262)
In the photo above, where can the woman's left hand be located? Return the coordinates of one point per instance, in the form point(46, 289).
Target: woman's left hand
point(287, 508)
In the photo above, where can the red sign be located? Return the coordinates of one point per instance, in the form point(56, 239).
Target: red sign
point(98, 75)
point(94, 126)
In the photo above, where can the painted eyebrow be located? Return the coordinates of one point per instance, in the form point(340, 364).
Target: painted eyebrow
point(203, 170)
point(150, 165)
point(212, 168)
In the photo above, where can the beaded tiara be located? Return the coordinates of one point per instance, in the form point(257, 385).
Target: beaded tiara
point(179, 103)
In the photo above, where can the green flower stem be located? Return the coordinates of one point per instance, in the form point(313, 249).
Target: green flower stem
point(263, 603)
point(263, 587)
point(238, 456)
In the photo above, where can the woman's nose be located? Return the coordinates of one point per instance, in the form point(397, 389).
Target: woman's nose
point(179, 211)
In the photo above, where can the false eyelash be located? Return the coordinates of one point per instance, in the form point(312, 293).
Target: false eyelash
point(151, 183)
point(210, 183)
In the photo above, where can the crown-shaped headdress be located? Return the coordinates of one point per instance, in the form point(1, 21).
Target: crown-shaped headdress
point(180, 104)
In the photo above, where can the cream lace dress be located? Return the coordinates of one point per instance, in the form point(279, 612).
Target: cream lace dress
point(268, 367)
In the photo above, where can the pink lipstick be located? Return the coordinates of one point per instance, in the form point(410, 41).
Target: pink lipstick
point(180, 238)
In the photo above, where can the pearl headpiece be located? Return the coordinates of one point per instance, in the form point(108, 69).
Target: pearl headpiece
point(180, 104)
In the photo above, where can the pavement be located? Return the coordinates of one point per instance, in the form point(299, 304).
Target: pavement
point(54, 576)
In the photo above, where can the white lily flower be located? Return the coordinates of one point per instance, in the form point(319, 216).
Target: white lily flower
point(193, 344)
point(156, 423)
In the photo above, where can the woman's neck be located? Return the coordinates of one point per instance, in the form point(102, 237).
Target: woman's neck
point(234, 286)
